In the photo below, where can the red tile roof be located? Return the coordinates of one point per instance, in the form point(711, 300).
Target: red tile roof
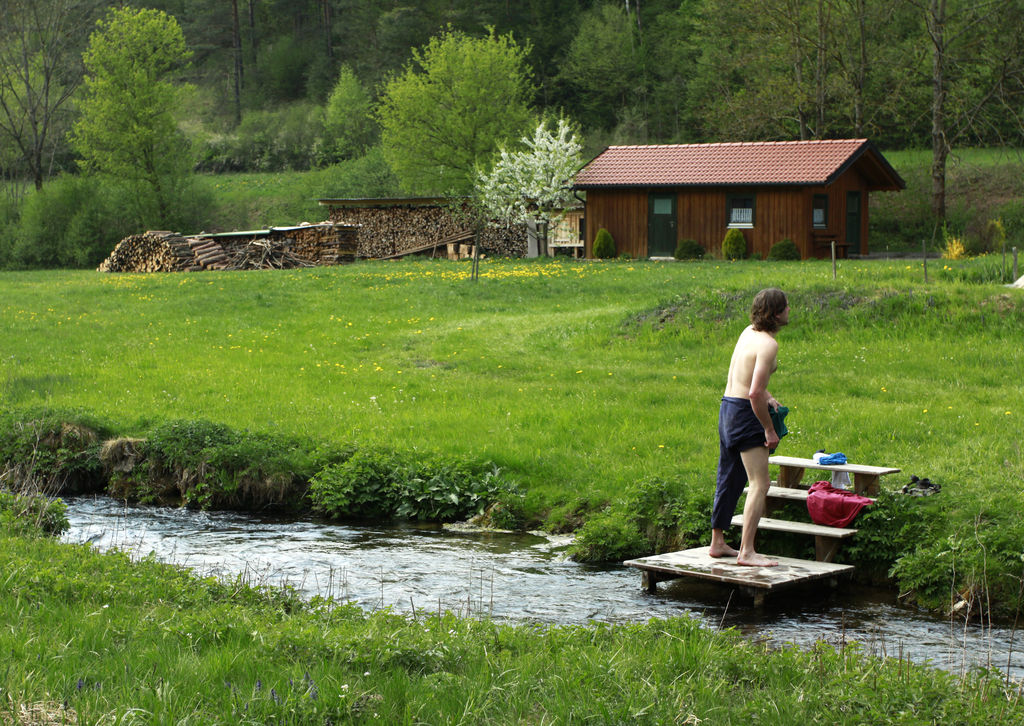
point(753, 163)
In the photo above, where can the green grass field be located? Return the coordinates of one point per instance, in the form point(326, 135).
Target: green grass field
point(585, 382)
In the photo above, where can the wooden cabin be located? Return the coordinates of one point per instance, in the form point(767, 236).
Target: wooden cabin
point(813, 192)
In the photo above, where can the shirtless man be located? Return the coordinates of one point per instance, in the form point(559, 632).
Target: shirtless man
point(745, 429)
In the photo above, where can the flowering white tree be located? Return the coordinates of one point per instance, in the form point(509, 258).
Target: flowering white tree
point(532, 184)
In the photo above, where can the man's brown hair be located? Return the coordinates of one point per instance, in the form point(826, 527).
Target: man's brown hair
point(767, 305)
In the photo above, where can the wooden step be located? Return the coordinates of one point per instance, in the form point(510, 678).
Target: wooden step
point(755, 581)
point(796, 494)
point(785, 525)
point(826, 539)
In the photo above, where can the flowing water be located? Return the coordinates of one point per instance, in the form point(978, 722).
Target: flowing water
point(522, 578)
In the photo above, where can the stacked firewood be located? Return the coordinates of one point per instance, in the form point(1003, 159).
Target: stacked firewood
point(502, 241)
point(150, 252)
point(398, 229)
point(323, 244)
point(208, 254)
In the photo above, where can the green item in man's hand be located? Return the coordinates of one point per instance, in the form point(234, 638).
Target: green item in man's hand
point(778, 416)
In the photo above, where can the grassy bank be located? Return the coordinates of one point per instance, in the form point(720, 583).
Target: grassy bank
point(93, 638)
point(594, 387)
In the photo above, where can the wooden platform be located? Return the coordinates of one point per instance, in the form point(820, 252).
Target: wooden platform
point(754, 581)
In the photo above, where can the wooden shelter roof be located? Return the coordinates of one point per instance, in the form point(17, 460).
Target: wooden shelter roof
point(765, 163)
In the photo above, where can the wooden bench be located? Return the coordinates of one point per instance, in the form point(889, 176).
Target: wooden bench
point(865, 478)
point(822, 240)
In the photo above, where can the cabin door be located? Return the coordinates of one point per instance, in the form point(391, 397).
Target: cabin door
point(853, 221)
point(661, 225)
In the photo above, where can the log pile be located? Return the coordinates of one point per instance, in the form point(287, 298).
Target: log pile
point(325, 245)
point(266, 254)
point(208, 254)
point(275, 248)
point(150, 252)
point(397, 229)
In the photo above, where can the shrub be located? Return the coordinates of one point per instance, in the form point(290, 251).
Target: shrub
point(953, 247)
point(29, 514)
point(73, 221)
point(50, 452)
point(604, 245)
point(348, 123)
point(384, 483)
point(363, 486)
point(689, 249)
point(991, 239)
point(612, 535)
point(734, 246)
point(214, 467)
point(784, 250)
point(286, 138)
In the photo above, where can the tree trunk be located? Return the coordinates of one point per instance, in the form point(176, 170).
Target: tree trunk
point(936, 21)
point(820, 71)
point(862, 68)
point(325, 6)
point(252, 33)
point(236, 43)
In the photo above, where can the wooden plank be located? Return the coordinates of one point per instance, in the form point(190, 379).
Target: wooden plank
point(795, 494)
point(798, 463)
point(784, 525)
point(791, 493)
point(865, 478)
point(697, 563)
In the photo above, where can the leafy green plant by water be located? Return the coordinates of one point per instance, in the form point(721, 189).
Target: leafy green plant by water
point(386, 484)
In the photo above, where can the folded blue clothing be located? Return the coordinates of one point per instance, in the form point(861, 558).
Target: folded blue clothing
point(833, 459)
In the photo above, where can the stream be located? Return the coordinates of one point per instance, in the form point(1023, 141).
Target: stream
point(520, 578)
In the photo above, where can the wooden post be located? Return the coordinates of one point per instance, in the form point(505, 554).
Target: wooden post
point(825, 548)
point(790, 476)
point(865, 484)
point(476, 259)
point(833, 259)
point(649, 581)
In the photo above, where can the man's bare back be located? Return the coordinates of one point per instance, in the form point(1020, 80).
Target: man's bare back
point(753, 361)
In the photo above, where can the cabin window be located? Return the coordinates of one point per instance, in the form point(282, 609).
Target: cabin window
point(820, 211)
point(740, 209)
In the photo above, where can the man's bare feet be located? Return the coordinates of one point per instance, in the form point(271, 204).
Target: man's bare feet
point(755, 560)
point(722, 550)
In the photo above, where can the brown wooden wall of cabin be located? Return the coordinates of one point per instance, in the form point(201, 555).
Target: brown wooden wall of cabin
point(779, 213)
point(623, 212)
